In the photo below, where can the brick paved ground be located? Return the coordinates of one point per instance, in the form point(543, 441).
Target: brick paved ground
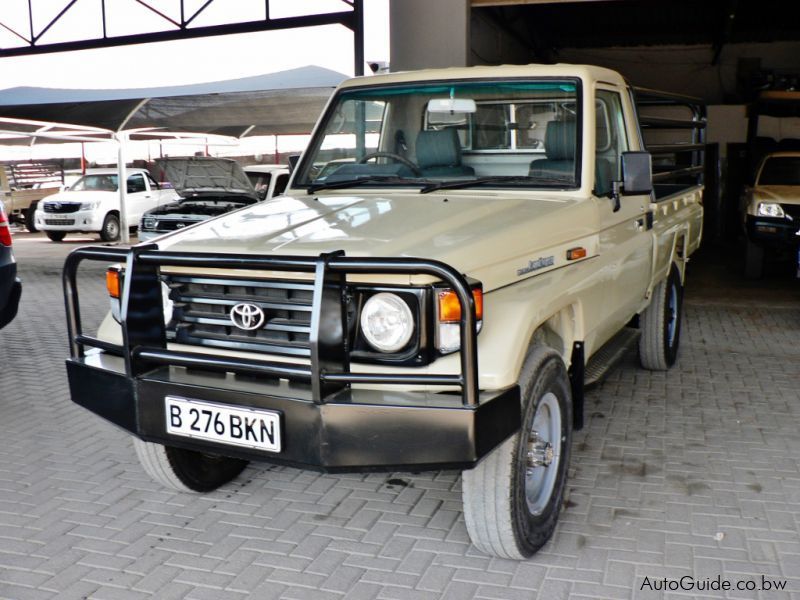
point(691, 472)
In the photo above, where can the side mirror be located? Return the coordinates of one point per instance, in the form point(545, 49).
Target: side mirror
point(292, 159)
point(637, 173)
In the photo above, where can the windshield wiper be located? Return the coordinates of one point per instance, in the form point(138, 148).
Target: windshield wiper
point(345, 183)
point(465, 183)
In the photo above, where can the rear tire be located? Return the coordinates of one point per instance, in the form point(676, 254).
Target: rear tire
point(30, 217)
point(56, 236)
point(661, 324)
point(110, 230)
point(754, 261)
point(186, 470)
point(511, 505)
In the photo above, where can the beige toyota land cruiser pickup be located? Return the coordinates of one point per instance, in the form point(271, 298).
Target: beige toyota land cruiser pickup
point(457, 253)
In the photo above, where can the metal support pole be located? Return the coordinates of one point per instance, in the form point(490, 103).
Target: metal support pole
point(358, 37)
point(122, 177)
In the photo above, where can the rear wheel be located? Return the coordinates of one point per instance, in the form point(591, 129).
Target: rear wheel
point(661, 324)
point(30, 217)
point(56, 236)
point(186, 470)
point(513, 497)
point(110, 230)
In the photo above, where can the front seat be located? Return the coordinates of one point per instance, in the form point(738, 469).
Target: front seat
point(559, 148)
point(439, 154)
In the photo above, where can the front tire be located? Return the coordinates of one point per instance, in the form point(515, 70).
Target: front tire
point(512, 498)
point(186, 470)
point(661, 324)
point(110, 230)
point(30, 217)
point(56, 236)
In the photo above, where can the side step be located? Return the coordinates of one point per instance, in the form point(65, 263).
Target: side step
point(609, 356)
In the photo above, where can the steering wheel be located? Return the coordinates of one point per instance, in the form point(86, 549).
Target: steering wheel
point(396, 157)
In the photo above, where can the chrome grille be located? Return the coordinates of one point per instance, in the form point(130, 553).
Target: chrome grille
point(169, 224)
point(61, 207)
point(202, 306)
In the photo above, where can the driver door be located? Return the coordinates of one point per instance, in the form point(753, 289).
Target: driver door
point(625, 237)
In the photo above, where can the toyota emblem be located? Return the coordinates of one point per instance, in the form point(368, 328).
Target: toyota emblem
point(247, 316)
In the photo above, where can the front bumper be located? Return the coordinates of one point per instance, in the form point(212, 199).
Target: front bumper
point(771, 231)
point(147, 235)
point(351, 430)
point(82, 220)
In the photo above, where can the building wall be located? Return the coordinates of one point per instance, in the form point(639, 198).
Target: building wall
point(688, 69)
point(428, 34)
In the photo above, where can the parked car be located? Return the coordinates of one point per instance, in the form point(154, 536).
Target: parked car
point(440, 308)
point(91, 204)
point(268, 180)
point(206, 187)
point(772, 212)
point(10, 286)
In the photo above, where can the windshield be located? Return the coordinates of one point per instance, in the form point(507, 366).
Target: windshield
point(517, 133)
point(96, 183)
point(780, 170)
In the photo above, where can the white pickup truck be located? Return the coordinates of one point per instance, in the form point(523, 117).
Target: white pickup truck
point(458, 252)
point(92, 204)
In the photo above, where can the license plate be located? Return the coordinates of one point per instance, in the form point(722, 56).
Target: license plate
point(58, 217)
point(237, 426)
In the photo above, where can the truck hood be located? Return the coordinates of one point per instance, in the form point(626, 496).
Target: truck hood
point(783, 194)
point(206, 175)
point(489, 236)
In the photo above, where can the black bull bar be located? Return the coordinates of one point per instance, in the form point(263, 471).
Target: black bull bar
point(415, 429)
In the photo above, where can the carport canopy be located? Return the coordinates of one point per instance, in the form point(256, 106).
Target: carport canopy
point(286, 102)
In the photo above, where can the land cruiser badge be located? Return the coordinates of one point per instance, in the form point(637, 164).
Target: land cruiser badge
point(535, 265)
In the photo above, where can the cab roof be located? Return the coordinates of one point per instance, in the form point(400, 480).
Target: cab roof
point(587, 73)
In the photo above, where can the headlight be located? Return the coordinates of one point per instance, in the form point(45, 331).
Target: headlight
point(770, 209)
point(387, 322)
point(90, 205)
point(448, 318)
point(149, 223)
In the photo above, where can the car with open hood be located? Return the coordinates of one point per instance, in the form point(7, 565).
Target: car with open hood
point(206, 187)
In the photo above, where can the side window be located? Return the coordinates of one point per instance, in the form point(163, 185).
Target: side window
point(611, 140)
point(136, 183)
point(153, 183)
point(280, 184)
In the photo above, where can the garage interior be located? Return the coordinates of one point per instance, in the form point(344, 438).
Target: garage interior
point(724, 52)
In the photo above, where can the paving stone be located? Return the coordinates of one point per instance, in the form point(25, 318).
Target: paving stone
point(666, 463)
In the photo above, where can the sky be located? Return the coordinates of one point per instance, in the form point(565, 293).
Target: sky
point(176, 63)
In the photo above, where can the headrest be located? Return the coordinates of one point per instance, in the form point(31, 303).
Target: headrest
point(438, 148)
point(559, 140)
